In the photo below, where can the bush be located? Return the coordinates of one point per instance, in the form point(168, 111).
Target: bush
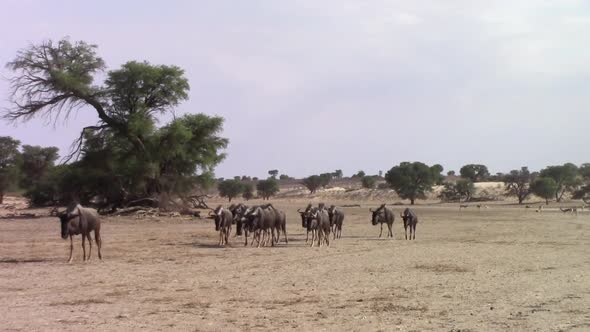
point(368, 182)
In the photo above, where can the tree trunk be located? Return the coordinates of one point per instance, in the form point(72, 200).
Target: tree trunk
point(520, 199)
point(546, 201)
point(411, 201)
point(229, 199)
point(1, 196)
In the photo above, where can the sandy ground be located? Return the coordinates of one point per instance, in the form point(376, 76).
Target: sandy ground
point(497, 269)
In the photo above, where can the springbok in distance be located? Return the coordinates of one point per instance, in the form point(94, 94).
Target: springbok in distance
point(80, 220)
point(540, 209)
point(570, 210)
point(410, 220)
point(383, 215)
point(463, 206)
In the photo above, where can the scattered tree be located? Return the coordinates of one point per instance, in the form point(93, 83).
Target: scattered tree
point(451, 173)
point(565, 177)
point(474, 172)
point(230, 189)
point(544, 188)
point(359, 174)
point(137, 159)
point(284, 177)
point(337, 174)
point(312, 183)
point(411, 180)
point(248, 193)
point(368, 182)
point(462, 190)
point(437, 170)
point(36, 161)
point(267, 188)
point(9, 156)
point(273, 173)
point(325, 179)
point(518, 183)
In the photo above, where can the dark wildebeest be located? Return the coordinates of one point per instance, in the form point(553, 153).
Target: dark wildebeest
point(320, 223)
point(262, 220)
point(223, 221)
point(280, 222)
point(305, 220)
point(238, 211)
point(383, 215)
point(410, 220)
point(336, 220)
point(80, 220)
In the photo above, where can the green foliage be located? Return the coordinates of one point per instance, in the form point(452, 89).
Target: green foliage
point(474, 172)
point(462, 190)
point(544, 187)
point(125, 151)
point(517, 183)
point(36, 162)
point(437, 170)
point(267, 188)
point(230, 188)
point(584, 171)
point(368, 182)
point(565, 177)
point(284, 177)
point(359, 174)
point(325, 179)
point(248, 193)
point(312, 183)
point(411, 180)
point(337, 174)
point(9, 160)
point(451, 173)
point(273, 173)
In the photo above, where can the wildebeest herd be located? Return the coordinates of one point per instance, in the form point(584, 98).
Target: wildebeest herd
point(264, 224)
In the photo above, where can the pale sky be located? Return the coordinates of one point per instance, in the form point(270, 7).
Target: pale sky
point(311, 86)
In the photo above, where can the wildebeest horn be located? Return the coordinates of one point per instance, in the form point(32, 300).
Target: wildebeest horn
point(371, 210)
point(401, 215)
point(299, 210)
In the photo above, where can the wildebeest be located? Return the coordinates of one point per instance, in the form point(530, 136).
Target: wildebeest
point(238, 211)
point(305, 220)
point(80, 220)
point(336, 219)
point(410, 220)
point(280, 223)
point(223, 221)
point(319, 221)
point(382, 216)
point(262, 221)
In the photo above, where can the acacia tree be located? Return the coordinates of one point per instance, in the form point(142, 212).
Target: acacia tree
point(312, 183)
point(544, 188)
point(517, 183)
point(474, 172)
point(9, 155)
point(36, 162)
point(565, 177)
point(248, 193)
point(368, 182)
point(230, 189)
point(267, 188)
point(273, 173)
point(583, 192)
point(411, 180)
point(325, 179)
point(56, 79)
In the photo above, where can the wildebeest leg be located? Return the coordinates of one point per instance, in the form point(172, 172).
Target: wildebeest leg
point(307, 236)
point(389, 230)
point(312, 237)
point(381, 233)
point(71, 249)
point(285, 234)
point(89, 245)
point(83, 247)
point(246, 236)
point(406, 230)
point(98, 241)
point(414, 227)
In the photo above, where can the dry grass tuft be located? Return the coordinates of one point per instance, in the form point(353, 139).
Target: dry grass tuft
point(440, 268)
point(81, 302)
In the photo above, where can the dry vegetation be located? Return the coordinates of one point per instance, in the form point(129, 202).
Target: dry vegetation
point(497, 269)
